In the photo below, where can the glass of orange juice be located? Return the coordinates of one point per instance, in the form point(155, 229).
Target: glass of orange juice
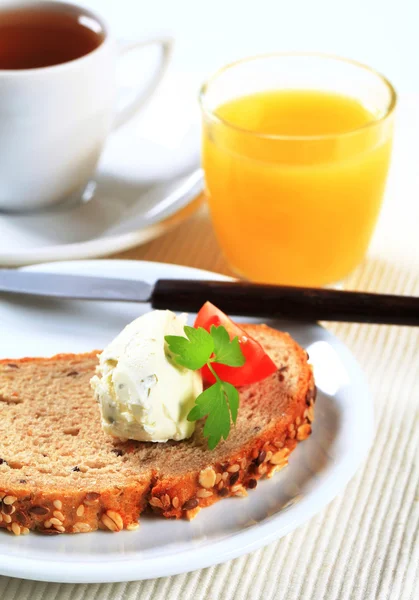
point(296, 150)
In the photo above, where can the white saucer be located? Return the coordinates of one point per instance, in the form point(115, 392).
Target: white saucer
point(80, 231)
point(319, 468)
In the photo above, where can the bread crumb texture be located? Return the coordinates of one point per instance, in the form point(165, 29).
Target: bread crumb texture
point(60, 473)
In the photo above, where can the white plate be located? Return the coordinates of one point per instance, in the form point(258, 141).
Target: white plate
point(318, 469)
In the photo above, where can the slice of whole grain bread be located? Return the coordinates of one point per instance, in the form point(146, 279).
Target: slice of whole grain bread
point(59, 472)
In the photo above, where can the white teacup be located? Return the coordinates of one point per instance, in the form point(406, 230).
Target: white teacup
point(54, 120)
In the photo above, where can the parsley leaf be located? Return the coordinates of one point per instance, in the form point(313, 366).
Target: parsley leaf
point(233, 398)
point(211, 404)
point(193, 351)
point(227, 352)
point(216, 403)
point(220, 402)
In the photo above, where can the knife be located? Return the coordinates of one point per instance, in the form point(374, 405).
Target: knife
point(233, 297)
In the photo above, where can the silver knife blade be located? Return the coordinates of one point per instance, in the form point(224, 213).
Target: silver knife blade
point(78, 287)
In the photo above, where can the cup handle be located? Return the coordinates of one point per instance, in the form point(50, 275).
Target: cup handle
point(166, 44)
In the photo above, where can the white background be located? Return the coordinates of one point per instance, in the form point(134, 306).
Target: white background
point(381, 33)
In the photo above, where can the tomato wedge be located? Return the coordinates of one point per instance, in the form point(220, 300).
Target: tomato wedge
point(258, 365)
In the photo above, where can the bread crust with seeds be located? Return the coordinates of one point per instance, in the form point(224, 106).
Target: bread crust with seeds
point(60, 473)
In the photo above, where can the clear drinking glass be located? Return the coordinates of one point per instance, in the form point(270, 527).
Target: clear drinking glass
point(296, 150)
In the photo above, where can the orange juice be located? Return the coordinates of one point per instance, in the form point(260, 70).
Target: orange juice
point(295, 180)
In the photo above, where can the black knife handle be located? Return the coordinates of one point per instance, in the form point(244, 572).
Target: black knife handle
point(306, 304)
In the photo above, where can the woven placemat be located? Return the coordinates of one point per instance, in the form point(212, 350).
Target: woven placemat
point(365, 544)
